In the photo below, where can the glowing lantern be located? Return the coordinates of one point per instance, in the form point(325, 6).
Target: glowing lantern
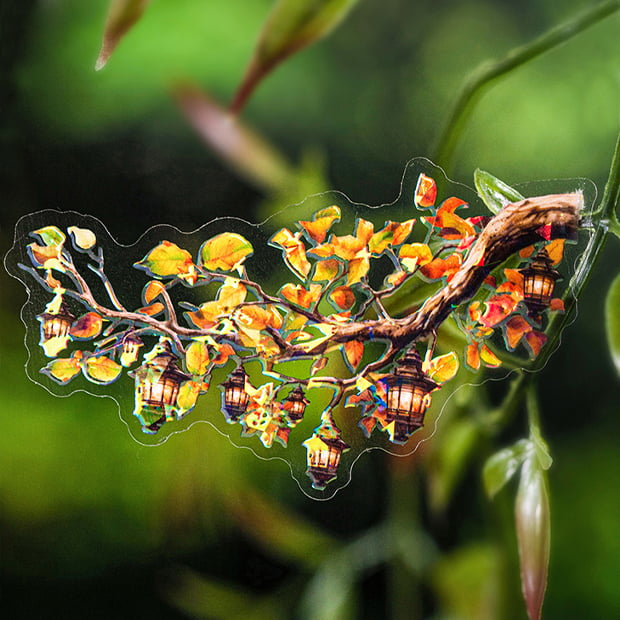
point(324, 451)
point(235, 397)
point(131, 347)
point(538, 283)
point(408, 396)
point(157, 386)
point(295, 404)
point(57, 324)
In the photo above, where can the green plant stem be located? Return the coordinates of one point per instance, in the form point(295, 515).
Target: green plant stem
point(487, 73)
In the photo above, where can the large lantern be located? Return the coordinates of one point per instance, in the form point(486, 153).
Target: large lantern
point(157, 386)
point(324, 451)
point(295, 404)
point(538, 283)
point(235, 398)
point(56, 324)
point(408, 396)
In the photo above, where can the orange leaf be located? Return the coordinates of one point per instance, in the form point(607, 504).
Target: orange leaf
point(440, 268)
point(535, 341)
point(224, 351)
point(364, 230)
point(516, 328)
point(474, 311)
point(51, 281)
point(152, 290)
point(255, 317)
point(321, 222)
point(151, 310)
point(488, 357)
point(396, 278)
point(40, 254)
point(555, 249)
point(442, 368)
point(354, 351)
point(358, 268)
point(527, 251)
point(87, 326)
point(413, 255)
point(294, 251)
point(425, 191)
point(297, 294)
point(207, 316)
point(347, 247)
point(498, 308)
point(343, 297)
point(557, 305)
point(473, 356)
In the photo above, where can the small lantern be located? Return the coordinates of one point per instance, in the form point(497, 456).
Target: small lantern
point(295, 404)
point(56, 325)
point(235, 397)
point(408, 396)
point(157, 386)
point(324, 451)
point(538, 283)
point(131, 347)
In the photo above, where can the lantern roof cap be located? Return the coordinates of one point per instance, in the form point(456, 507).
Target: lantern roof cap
point(541, 264)
point(63, 312)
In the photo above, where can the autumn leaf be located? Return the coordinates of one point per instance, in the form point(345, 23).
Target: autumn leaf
point(364, 230)
point(51, 235)
point(255, 317)
point(353, 353)
point(321, 222)
point(197, 358)
point(326, 269)
point(225, 252)
point(516, 327)
point(358, 268)
point(101, 369)
point(153, 289)
point(208, 315)
point(557, 305)
point(152, 309)
point(294, 251)
point(555, 250)
point(452, 226)
point(392, 234)
point(167, 259)
point(62, 370)
point(489, 358)
point(346, 247)
point(223, 352)
point(442, 268)
point(343, 297)
point(413, 255)
point(299, 295)
point(189, 391)
point(535, 341)
point(232, 293)
point(442, 368)
point(425, 191)
point(472, 356)
point(83, 238)
point(87, 326)
point(497, 309)
point(45, 256)
point(123, 14)
point(396, 279)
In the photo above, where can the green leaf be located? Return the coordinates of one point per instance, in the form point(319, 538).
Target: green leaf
point(533, 534)
point(197, 358)
point(50, 235)
point(123, 14)
point(494, 193)
point(612, 320)
point(501, 466)
point(291, 26)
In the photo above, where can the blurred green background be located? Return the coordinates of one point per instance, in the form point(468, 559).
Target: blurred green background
point(93, 524)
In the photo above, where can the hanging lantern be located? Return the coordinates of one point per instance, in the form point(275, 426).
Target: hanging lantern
point(131, 347)
point(324, 451)
point(56, 325)
point(408, 397)
point(538, 283)
point(235, 397)
point(157, 386)
point(295, 404)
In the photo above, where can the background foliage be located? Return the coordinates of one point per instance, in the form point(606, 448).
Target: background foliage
point(93, 523)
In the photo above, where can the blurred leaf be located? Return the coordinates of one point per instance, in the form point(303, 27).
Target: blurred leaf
point(123, 14)
point(501, 466)
point(291, 26)
point(494, 193)
point(235, 143)
point(612, 320)
point(533, 534)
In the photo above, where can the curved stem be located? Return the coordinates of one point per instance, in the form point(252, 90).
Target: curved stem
point(487, 73)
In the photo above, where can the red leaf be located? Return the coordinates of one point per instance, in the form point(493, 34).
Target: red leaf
point(425, 191)
point(87, 326)
point(535, 341)
point(516, 328)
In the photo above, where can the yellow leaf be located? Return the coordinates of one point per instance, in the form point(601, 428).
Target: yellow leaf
point(225, 251)
point(231, 294)
point(102, 370)
point(294, 251)
point(414, 255)
point(197, 358)
point(255, 317)
point(297, 294)
point(443, 368)
point(188, 395)
point(321, 223)
point(358, 268)
point(326, 269)
point(364, 230)
point(207, 316)
point(346, 247)
point(83, 238)
point(488, 357)
point(63, 370)
point(167, 259)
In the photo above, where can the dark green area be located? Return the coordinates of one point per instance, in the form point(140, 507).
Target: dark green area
point(94, 525)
